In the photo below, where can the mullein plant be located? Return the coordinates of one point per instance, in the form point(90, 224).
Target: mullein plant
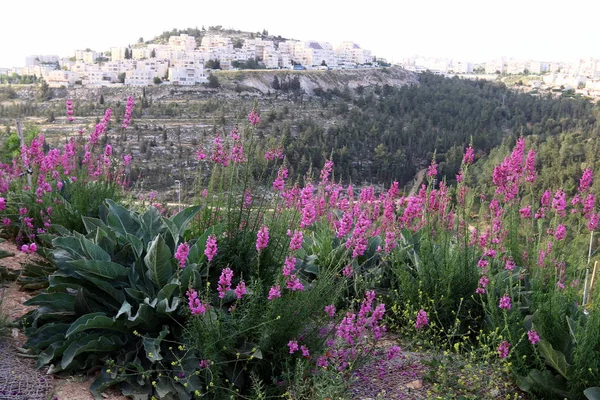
point(45, 186)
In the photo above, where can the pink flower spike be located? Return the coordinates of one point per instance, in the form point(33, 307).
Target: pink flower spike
point(505, 302)
point(211, 247)
point(240, 289)
point(533, 337)
point(274, 292)
point(293, 346)
point(422, 320)
point(503, 349)
point(262, 238)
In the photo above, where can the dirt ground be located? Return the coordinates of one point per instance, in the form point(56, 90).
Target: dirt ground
point(72, 388)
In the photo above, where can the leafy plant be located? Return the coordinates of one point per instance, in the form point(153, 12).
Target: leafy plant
point(114, 303)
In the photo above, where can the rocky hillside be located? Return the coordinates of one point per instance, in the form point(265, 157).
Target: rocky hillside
point(261, 81)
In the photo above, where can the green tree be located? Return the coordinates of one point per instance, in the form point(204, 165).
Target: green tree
point(153, 53)
point(213, 81)
point(101, 101)
point(275, 84)
point(157, 80)
point(121, 77)
point(44, 92)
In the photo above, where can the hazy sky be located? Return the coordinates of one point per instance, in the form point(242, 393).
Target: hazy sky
point(470, 29)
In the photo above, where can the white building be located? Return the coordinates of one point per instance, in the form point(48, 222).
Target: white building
point(496, 66)
point(462, 67)
point(182, 42)
point(58, 78)
point(187, 72)
point(138, 77)
point(86, 56)
point(312, 53)
point(351, 52)
point(117, 53)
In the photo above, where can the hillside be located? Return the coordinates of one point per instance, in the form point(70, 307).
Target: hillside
point(262, 81)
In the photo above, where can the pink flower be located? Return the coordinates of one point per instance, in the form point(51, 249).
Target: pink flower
point(525, 212)
point(305, 351)
point(254, 117)
point(127, 159)
point(432, 169)
point(240, 289)
point(348, 271)
point(2, 204)
point(181, 254)
point(200, 154)
point(422, 320)
point(289, 266)
point(322, 362)
point(211, 247)
point(274, 292)
point(530, 167)
point(560, 232)
point(503, 349)
point(293, 346)
point(294, 284)
point(224, 282)
point(393, 352)
point(296, 240)
point(533, 337)
point(593, 222)
point(330, 310)
point(262, 238)
point(586, 180)
point(469, 156)
point(196, 307)
point(509, 265)
point(505, 302)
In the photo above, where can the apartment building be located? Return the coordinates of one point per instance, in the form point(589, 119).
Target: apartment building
point(352, 53)
point(182, 42)
point(185, 72)
point(59, 78)
point(139, 77)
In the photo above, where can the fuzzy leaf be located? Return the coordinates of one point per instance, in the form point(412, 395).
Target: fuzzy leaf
point(95, 321)
point(121, 219)
point(158, 262)
point(554, 358)
point(54, 301)
point(152, 345)
point(183, 218)
point(90, 343)
point(592, 393)
point(104, 269)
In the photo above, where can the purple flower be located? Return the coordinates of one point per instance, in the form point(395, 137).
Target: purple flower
point(305, 351)
point(296, 240)
point(505, 302)
point(469, 156)
point(2, 203)
point(330, 310)
point(274, 292)
point(560, 232)
point(503, 349)
point(533, 337)
point(393, 352)
point(422, 320)
point(196, 307)
point(586, 180)
point(293, 346)
point(181, 254)
point(211, 247)
point(224, 282)
point(262, 238)
point(240, 289)
point(254, 117)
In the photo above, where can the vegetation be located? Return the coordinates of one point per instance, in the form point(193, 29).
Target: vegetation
point(282, 278)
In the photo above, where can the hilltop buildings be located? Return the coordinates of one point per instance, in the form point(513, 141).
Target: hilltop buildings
point(182, 61)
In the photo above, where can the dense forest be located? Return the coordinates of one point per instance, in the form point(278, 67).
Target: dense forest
point(389, 133)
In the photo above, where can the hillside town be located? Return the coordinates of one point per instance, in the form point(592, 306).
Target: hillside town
point(582, 74)
point(182, 62)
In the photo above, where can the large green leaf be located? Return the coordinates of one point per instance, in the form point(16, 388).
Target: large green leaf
point(554, 358)
point(152, 345)
point(94, 251)
point(158, 262)
point(54, 301)
point(592, 393)
point(95, 321)
point(153, 223)
point(136, 244)
point(90, 343)
point(121, 220)
point(183, 218)
point(104, 269)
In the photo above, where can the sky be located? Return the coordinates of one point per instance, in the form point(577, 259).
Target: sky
point(473, 30)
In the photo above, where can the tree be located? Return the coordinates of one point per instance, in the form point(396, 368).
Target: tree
point(141, 40)
point(153, 53)
point(121, 77)
point(213, 64)
point(276, 85)
point(44, 92)
point(157, 80)
point(213, 81)
point(101, 101)
point(323, 63)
